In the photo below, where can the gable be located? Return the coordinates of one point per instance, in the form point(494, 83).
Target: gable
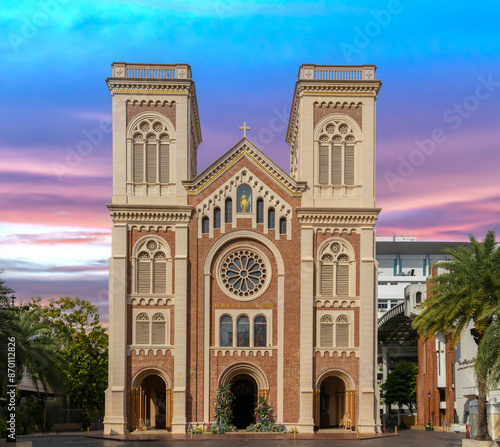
point(244, 149)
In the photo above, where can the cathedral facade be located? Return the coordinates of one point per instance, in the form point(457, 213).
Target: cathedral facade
point(243, 275)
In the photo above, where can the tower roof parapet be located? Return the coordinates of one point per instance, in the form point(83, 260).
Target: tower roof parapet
point(337, 72)
point(150, 71)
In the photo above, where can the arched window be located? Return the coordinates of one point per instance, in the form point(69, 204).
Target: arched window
point(226, 331)
point(142, 329)
point(153, 267)
point(260, 331)
point(336, 154)
point(283, 225)
point(205, 225)
point(150, 152)
point(342, 335)
point(159, 329)
point(260, 211)
point(229, 211)
point(335, 270)
point(270, 218)
point(217, 218)
point(243, 330)
point(326, 331)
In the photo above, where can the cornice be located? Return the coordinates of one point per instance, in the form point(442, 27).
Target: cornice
point(325, 87)
point(329, 216)
point(244, 148)
point(150, 214)
point(118, 86)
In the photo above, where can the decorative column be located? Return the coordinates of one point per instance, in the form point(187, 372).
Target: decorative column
point(180, 332)
point(115, 420)
point(306, 420)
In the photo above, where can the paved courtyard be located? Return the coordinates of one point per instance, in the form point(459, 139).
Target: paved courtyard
point(406, 438)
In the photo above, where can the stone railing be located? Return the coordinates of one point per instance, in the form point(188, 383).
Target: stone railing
point(151, 71)
point(337, 72)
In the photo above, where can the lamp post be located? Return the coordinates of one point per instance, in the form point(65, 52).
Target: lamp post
point(429, 423)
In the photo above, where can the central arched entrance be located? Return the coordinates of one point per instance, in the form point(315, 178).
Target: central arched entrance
point(244, 390)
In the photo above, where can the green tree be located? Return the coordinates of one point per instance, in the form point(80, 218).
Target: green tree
point(468, 292)
point(401, 386)
point(84, 349)
point(38, 351)
point(488, 358)
point(7, 328)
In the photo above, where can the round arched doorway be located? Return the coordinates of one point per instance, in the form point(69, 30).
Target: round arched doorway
point(150, 401)
point(244, 389)
point(332, 402)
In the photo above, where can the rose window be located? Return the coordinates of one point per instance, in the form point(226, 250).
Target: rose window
point(244, 274)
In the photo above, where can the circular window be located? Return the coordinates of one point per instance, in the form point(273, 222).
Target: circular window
point(244, 273)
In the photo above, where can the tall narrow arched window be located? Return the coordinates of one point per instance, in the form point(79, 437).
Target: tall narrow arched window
point(283, 225)
point(271, 215)
point(342, 335)
point(158, 329)
point(260, 211)
point(217, 218)
point(336, 267)
point(150, 152)
point(144, 273)
point(226, 331)
point(260, 331)
point(336, 156)
point(142, 329)
point(418, 297)
point(205, 225)
point(326, 331)
point(152, 264)
point(243, 330)
point(229, 211)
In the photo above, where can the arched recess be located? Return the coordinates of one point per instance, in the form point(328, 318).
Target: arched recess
point(335, 400)
point(338, 117)
point(161, 254)
point(150, 154)
point(337, 149)
point(151, 403)
point(151, 116)
point(244, 368)
point(327, 261)
point(207, 271)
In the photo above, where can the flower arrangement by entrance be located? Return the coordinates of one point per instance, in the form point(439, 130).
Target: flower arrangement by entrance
point(223, 411)
point(263, 420)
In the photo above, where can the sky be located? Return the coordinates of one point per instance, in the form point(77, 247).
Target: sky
point(438, 109)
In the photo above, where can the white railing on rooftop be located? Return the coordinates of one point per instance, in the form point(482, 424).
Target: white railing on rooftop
point(337, 72)
point(151, 71)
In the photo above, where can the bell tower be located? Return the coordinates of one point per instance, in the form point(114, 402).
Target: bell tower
point(156, 132)
point(331, 135)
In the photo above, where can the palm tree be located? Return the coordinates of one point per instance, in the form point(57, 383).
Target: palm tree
point(488, 358)
point(37, 350)
point(467, 292)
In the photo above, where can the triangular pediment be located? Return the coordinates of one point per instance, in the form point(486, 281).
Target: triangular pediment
point(244, 149)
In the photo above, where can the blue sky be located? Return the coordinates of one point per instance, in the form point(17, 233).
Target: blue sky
point(439, 63)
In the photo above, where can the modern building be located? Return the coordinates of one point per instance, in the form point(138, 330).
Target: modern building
point(243, 274)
